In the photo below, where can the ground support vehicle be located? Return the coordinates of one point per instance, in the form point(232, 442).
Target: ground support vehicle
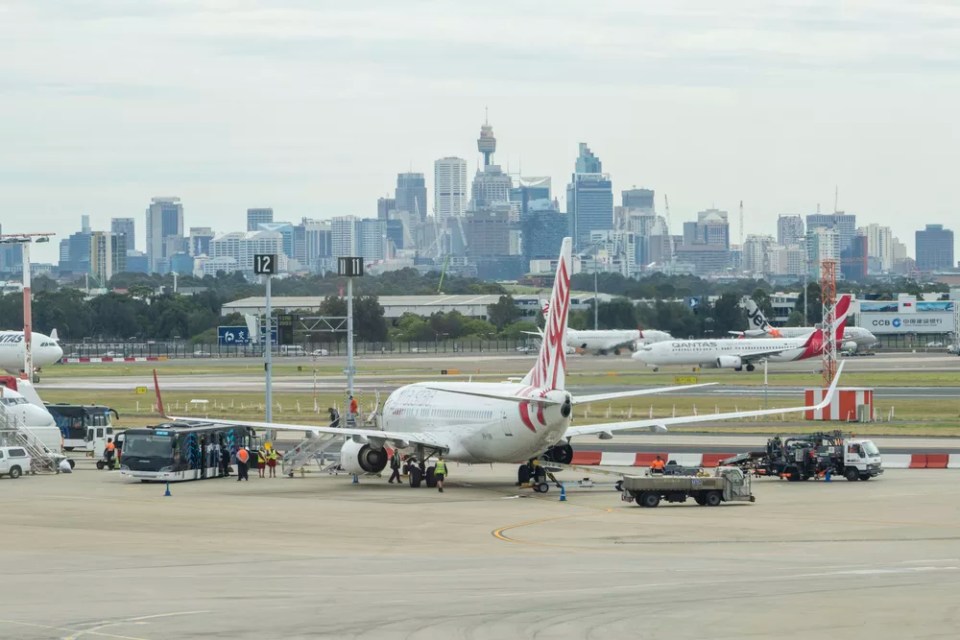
point(815, 455)
point(729, 484)
point(14, 461)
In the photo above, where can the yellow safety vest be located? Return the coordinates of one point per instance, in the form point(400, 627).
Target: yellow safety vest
point(441, 467)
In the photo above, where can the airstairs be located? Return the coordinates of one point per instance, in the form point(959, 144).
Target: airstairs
point(14, 434)
point(316, 447)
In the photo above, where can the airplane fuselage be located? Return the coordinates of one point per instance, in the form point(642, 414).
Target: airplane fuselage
point(610, 339)
point(707, 353)
point(44, 349)
point(477, 429)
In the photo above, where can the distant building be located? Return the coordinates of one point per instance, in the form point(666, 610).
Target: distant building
point(589, 199)
point(242, 246)
point(934, 248)
point(200, 239)
point(543, 228)
point(317, 245)
point(758, 255)
point(527, 191)
point(11, 257)
point(822, 243)
point(125, 227)
point(164, 231)
point(641, 199)
point(411, 194)
point(283, 228)
point(256, 217)
point(845, 225)
point(879, 247)
point(385, 206)
point(108, 255)
point(488, 231)
point(854, 259)
point(75, 253)
point(449, 187)
point(352, 236)
point(789, 230)
point(788, 261)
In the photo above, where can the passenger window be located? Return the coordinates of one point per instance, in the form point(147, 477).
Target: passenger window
point(100, 432)
point(1, 455)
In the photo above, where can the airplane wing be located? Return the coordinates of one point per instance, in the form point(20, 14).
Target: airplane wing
point(754, 356)
point(605, 431)
point(395, 438)
point(599, 397)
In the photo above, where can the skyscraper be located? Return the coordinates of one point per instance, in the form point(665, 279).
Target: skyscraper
point(255, 217)
point(789, 230)
point(283, 228)
point(934, 248)
point(529, 191)
point(449, 187)
point(411, 194)
point(589, 199)
point(164, 230)
point(638, 199)
point(879, 246)
point(845, 225)
point(125, 227)
point(385, 206)
point(351, 236)
point(108, 255)
point(200, 239)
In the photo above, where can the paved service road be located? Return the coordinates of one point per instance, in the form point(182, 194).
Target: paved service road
point(89, 556)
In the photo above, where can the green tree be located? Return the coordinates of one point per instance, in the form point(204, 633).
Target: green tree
point(728, 315)
point(503, 312)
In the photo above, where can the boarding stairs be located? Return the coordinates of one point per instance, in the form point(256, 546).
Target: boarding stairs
point(14, 434)
point(315, 447)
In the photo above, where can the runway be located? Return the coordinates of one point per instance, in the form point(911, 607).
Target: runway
point(96, 557)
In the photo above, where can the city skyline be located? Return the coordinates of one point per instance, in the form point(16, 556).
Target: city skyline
point(708, 105)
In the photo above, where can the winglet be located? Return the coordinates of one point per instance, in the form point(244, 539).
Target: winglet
point(828, 398)
point(156, 388)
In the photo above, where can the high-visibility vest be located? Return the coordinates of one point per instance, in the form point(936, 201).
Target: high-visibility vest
point(441, 467)
point(272, 455)
point(242, 455)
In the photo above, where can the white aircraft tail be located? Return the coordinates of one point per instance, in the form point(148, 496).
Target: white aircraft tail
point(54, 336)
point(550, 370)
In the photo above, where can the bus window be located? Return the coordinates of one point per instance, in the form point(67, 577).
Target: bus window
point(100, 432)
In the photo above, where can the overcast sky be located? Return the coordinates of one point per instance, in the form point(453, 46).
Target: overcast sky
point(312, 107)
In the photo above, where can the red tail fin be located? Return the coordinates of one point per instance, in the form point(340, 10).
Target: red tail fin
point(156, 388)
point(840, 312)
point(549, 372)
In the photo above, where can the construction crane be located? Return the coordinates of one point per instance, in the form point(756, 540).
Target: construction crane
point(443, 272)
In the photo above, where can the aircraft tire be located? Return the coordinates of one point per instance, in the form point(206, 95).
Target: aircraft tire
point(415, 477)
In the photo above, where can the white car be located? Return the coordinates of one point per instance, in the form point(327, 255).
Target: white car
point(14, 461)
point(319, 353)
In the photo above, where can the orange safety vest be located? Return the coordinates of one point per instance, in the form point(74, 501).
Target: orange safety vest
point(111, 446)
point(243, 456)
point(657, 465)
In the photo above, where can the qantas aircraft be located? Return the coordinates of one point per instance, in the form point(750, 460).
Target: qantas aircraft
point(478, 422)
point(740, 353)
point(44, 348)
point(854, 338)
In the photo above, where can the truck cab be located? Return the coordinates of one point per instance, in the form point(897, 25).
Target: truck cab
point(96, 440)
point(861, 459)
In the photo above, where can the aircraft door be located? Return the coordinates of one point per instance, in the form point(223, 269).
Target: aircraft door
point(506, 424)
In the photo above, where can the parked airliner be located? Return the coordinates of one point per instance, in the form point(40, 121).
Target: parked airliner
point(478, 422)
point(854, 338)
point(45, 350)
point(740, 353)
point(603, 341)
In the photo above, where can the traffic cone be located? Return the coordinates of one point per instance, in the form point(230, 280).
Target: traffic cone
point(563, 492)
point(356, 480)
point(167, 494)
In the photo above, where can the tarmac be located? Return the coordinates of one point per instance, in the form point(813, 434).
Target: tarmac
point(91, 555)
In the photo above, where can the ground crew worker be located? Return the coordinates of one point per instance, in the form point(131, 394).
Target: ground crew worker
point(440, 472)
point(224, 460)
point(109, 452)
point(395, 464)
point(272, 458)
point(243, 457)
point(261, 462)
point(334, 417)
point(657, 465)
point(354, 408)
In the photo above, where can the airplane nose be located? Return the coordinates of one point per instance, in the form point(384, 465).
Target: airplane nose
point(58, 352)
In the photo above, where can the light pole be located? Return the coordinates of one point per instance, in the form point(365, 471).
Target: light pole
point(24, 240)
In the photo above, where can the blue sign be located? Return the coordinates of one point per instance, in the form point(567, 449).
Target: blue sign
point(233, 335)
point(896, 322)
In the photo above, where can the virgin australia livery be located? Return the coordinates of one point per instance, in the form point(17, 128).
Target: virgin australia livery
point(496, 422)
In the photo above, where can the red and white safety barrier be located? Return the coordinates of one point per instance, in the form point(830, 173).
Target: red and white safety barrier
point(843, 406)
point(644, 459)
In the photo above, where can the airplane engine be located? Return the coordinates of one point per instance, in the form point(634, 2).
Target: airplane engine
point(729, 362)
point(362, 458)
point(849, 346)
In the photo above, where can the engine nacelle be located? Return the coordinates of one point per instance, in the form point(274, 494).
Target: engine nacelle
point(729, 362)
point(362, 458)
point(849, 346)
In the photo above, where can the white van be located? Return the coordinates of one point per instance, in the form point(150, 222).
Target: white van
point(292, 350)
point(13, 461)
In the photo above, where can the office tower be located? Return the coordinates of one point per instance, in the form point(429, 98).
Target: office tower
point(200, 239)
point(844, 223)
point(544, 228)
point(488, 232)
point(84, 223)
point(125, 227)
point(318, 250)
point(385, 206)
point(758, 254)
point(934, 248)
point(108, 255)
point(789, 230)
point(240, 247)
point(449, 187)
point(879, 247)
point(283, 228)
point(528, 191)
point(641, 199)
point(256, 217)
point(164, 230)
point(589, 199)
point(854, 259)
point(352, 236)
point(411, 194)
point(822, 243)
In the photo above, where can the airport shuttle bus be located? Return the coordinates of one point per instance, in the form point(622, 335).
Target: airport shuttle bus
point(84, 426)
point(178, 451)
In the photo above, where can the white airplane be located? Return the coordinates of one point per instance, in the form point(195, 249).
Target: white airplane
point(854, 338)
point(44, 348)
point(478, 422)
point(740, 353)
point(602, 341)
